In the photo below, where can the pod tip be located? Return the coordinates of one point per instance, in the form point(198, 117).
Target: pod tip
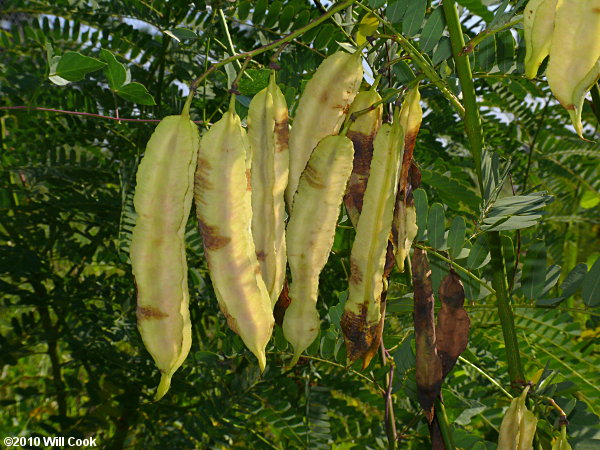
point(576, 120)
point(163, 386)
point(295, 359)
point(262, 360)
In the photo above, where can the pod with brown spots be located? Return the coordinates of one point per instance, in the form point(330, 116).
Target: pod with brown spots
point(223, 204)
point(321, 110)
point(310, 235)
point(268, 134)
point(362, 313)
point(162, 200)
point(362, 132)
point(405, 215)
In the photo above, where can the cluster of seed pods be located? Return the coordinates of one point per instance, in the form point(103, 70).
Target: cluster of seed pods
point(268, 198)
point(567, 32)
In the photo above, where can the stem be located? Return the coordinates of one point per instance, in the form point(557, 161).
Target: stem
point(206, 56)
point(229, 41)
point(390, 420)
point(455, 265)
point(475, 137)
point(290, 37)
point(78, 113)
point(493, 381)
point(440, 412)
point(340, 366)
point(487, 33)
point(420, 61)
point(463, 68)
point(505, 312)
point(161, 65)
point(234, 85)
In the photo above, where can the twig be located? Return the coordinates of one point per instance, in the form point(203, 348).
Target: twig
point(390, 420)
point(444, 424)
point(420, 61)
point(470, 46)
point(340, 366)
point(457, 266)
point(493, 381)
point(229, 41)
point(79, 113)
point(234, 85)
point(273, 62)
point(271, 45)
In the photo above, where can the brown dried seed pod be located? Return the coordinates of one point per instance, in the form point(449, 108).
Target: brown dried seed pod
point(428, 364)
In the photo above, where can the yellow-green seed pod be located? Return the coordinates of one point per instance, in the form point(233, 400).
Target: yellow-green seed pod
point(362, 310)
point(405, 220)
point(310, 235)
point(405, 216)
point(321, 110)
point(538, 27)
point(574, 64)
point(362, 132)
point(561, 443)
point(518, 426)
point(162, 200)
point(268, 134)
point(223, 204)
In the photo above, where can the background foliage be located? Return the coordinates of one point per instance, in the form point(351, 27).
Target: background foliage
point(72, 360)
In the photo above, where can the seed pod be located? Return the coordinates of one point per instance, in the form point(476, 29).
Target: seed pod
point(223, 205)
point(162, 200)
point(362, 309)
point(574, 64)
point(321, 110)
point(405, 216)
point(428, 365)
point(362, 133)
point(452, 331)
point(561, 443)
point(268, 134)
point(538, 25)
point(518, 426)
point(310, 235)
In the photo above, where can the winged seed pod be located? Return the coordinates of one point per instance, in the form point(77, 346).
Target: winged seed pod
point(362, 309)
point(518, 426)
point(310, 235)
point(362, 133)
point(405, 215)
point(162, 200)
point(321, 110)
point(223, 205)
point(538, 25)
point(268, 134)
point(574, 64)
